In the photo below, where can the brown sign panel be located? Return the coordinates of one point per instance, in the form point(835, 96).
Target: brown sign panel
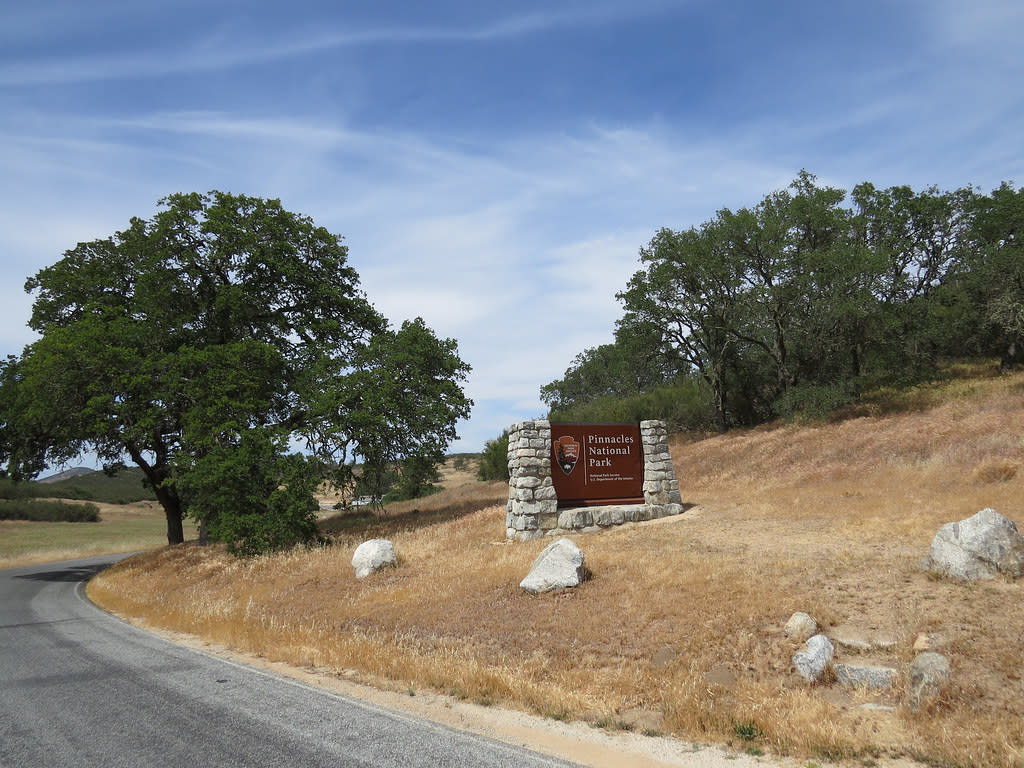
point(597, 464)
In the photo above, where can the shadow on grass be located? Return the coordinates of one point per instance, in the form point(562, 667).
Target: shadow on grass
point(402, 518)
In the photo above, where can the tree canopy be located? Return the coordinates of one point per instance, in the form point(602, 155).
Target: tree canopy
point(802, 300)
point(205, 342)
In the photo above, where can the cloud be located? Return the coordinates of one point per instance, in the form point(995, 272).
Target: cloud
point(516, 249)
point(512, 239)
point(230, 47)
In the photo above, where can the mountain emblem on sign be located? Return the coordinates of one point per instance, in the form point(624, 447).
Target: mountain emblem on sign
point(567, 453)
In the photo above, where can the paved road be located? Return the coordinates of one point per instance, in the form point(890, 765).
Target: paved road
point(79, 688)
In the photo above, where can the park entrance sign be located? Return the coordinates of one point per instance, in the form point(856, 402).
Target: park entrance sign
point(584, 477)
point(596, 464)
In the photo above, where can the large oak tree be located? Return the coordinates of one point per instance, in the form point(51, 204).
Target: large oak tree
point(203, 343)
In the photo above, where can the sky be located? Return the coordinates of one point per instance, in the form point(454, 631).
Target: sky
point(494, 168)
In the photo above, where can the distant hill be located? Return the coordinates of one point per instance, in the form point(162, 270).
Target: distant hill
point(67, 474)
point(123, 487)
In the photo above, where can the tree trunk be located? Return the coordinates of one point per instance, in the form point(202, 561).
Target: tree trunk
point(175, 532)
point(1009, 358)
point(156, 474)
point(172, 510)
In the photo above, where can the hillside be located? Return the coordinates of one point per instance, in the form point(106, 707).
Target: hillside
point(123, 487)
point(679, 630)
point(67, 474)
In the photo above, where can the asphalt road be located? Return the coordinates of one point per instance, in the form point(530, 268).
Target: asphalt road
point(79, 688)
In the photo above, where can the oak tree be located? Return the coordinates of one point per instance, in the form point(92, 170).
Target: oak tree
point(204, 345)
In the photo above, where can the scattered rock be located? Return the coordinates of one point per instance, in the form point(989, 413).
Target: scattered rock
point(862, 640)
point(928, 642)
point(664, 656)
point(929, 672)
point(559, 566)
point(871, 678)
point(800, 627)
point(720, 676)
point(641, 720)
point(812, 661)
point(980, 547)
point(871, 706)
point(372, 555)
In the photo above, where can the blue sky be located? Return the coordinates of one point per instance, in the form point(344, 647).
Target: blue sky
point(494, 167)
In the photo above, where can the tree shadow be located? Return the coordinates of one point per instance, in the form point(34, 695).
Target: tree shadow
point(365, 524)
point(71, 573)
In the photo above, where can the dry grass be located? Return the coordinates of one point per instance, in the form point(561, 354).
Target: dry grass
point(679, 630)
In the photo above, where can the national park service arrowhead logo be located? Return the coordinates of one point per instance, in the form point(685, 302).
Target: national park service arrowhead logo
point(567, 453)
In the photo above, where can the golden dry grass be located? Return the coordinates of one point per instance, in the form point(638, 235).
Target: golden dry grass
point(679, 630)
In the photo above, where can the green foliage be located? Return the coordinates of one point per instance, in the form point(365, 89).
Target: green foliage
point(812, 402)
point(252, 496)
point(494, 459)
point(415, 479)
point(122, 486)
point(685, 405)
point(223, 321)
point(635, 363)
point(747, 730)
point(399, 493)
point(9, 489)
point(48, 511)
point(794, 305)
point(403, 399)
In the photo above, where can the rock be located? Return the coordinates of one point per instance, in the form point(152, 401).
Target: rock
point(871, 706)
point(859, 639)
point(812, 661)
point(372, 555)
point(642, 720)
point(929, 672)
point(720, 676)
point(664, 656)
point(928, 641)
point(980, 547)
point(559, 566)
point(800, 627)
point(872, 678)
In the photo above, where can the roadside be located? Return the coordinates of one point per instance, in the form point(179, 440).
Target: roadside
point(573, 741)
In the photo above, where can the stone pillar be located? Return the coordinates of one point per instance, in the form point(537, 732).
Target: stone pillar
point(661, 489)
point(532, 509)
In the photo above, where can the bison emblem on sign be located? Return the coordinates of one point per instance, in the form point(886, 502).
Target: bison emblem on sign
point(567, 452)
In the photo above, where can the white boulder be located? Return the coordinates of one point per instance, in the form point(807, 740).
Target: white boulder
point(812, 661)
point(981, 547)
point(372, 555)
point(558, 566)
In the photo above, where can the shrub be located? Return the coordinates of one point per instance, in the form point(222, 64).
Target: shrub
point(12, 490)
point(812, 402)
point(494, 460)
point(48, 511)
point(685, 405)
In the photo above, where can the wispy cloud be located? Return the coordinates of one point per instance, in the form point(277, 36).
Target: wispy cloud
point(224, 51)
point(495, 235)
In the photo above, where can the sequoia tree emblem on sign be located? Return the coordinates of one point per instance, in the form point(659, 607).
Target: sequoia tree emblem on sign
point(568, 453)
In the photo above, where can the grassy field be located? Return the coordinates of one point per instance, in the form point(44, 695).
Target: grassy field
point(680, 629)
point(122, 528)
